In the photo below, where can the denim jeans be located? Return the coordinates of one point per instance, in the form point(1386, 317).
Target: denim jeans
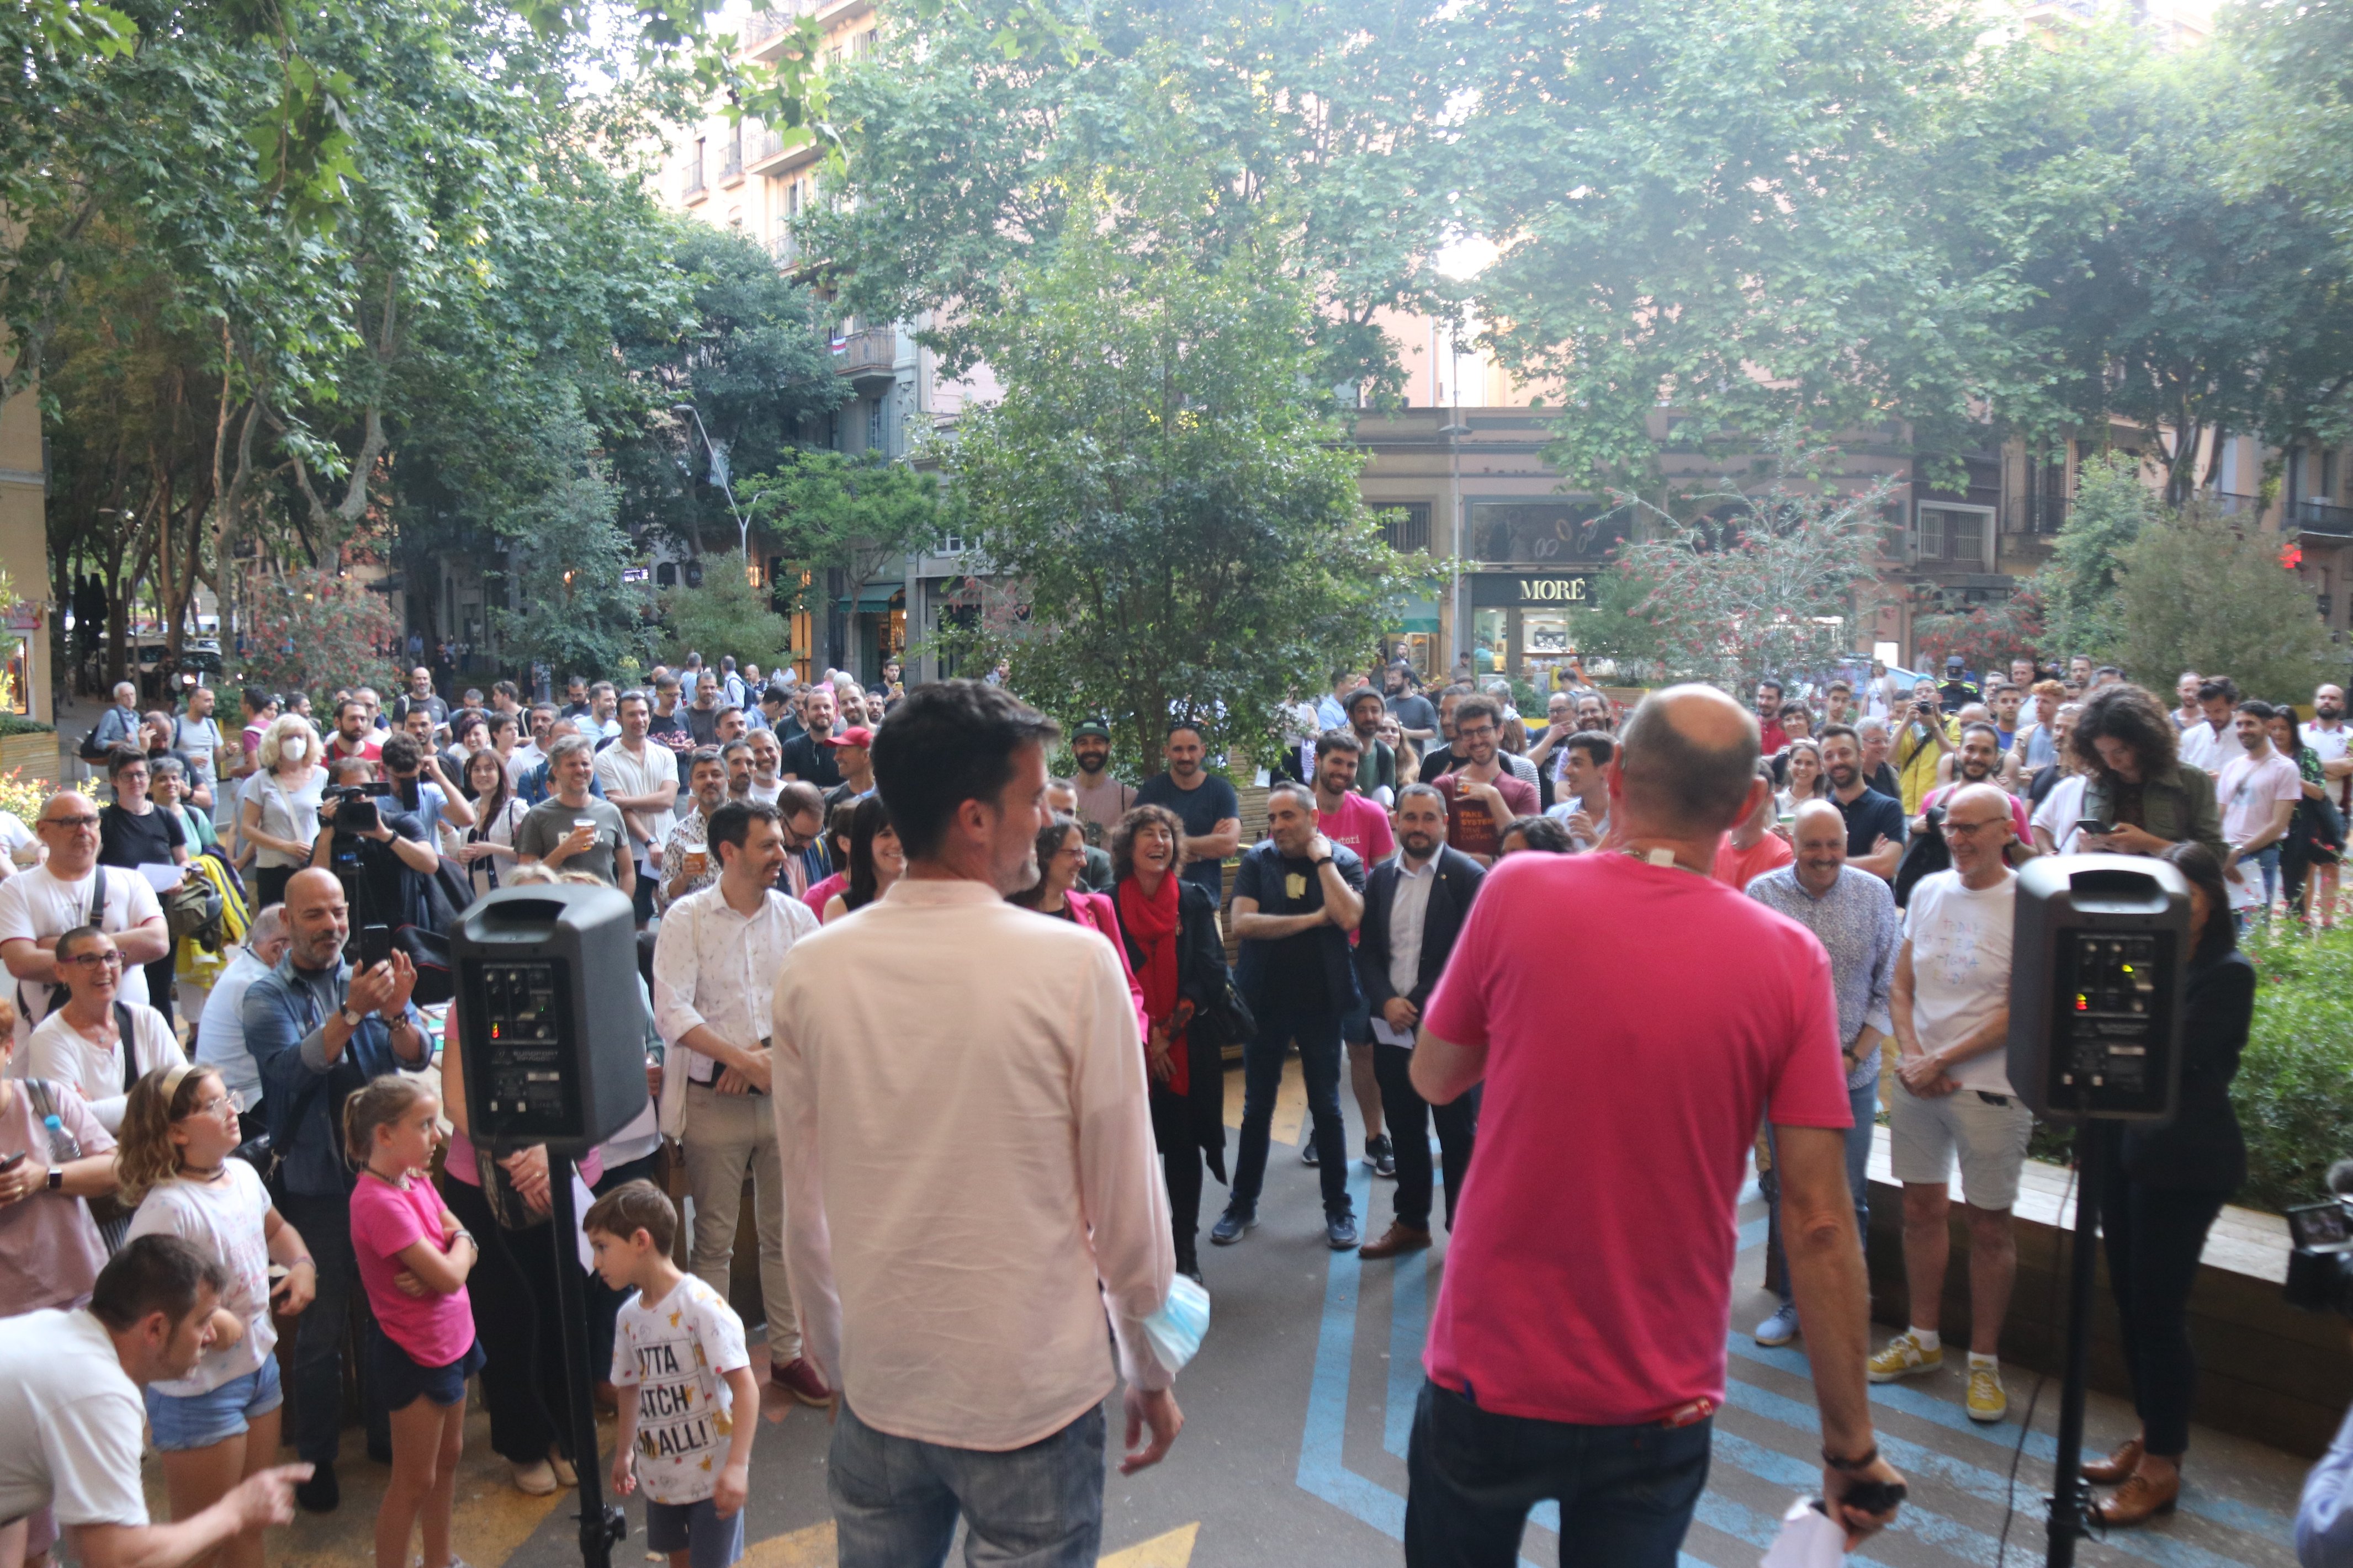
point(895, 1500)
point(315, 1422)
point(1864, 1102)
point(2267, 858)
point(1317, 1030)
point(1626, 1493)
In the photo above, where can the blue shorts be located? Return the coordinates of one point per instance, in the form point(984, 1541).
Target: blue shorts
point(401, 1382)
point(695, 1528)
point(183, 1421)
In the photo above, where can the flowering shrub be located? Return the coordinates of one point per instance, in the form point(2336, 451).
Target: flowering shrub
point(315, 631)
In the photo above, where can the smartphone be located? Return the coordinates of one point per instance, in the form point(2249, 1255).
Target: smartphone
point(2092, 825)
point(12, 1162)
point(374, 946)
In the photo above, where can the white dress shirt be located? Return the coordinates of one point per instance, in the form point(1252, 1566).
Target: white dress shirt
point(716, 968)
point(969, 1172)
point(2203, 746)
point(1408, 908)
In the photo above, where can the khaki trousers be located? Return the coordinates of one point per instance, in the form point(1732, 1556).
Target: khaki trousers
point(726, 1134)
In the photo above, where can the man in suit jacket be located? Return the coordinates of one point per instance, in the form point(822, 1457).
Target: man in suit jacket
point(1415, 904)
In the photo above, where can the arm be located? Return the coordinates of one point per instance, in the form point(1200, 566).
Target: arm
point(624, 868)
point(455, 806)
point(1251, 926)
point(1826, 1275)
point(444, 1273)
point(1443, 1072)
point(735, 1477)
point(264, 1498)
point(1221, 840)
point(2282, 813)
point(29, 958)
point(1344, 902)
point(285, 1244)
point(808, 1244)
point(417, 855)
point(249, 818)
point(625, 1438)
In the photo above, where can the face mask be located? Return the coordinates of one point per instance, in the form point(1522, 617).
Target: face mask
point(294, 751)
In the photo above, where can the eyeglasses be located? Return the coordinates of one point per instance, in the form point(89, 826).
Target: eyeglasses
point(111, 959)
point(211, 1105)
point(1964, 830)
point(75, 823)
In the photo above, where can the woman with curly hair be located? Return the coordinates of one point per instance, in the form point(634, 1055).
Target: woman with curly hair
point(2137, 785)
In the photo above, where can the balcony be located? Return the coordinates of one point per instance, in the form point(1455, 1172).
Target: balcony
point(695, 188)
point(786, 250)
point(2324, 518)
point(869, 355)
point(2045, 513)
point(730, 163)
point(2230, 504)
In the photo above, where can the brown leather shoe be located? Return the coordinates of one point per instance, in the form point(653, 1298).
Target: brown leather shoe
point(2138, 1501)
point(2117, 1467)
point(1398, 1239)
point(799, 1379)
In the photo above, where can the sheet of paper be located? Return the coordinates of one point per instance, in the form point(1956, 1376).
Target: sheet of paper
point(1389, 1036)
point(162, 876)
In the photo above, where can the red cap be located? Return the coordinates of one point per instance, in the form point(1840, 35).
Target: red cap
point(856, 735)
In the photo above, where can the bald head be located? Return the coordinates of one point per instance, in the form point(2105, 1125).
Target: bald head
point(1818, 816)
point(317, 918)
point(1687, 760)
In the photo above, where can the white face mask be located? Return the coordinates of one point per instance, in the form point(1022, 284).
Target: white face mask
point(294, 751)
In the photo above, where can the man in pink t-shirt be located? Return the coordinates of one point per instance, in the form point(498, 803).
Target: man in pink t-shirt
point(1349, 819)
point(2257, 793)
point(1578, 1348)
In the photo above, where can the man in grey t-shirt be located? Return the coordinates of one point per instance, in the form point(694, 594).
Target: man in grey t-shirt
point(572, 829)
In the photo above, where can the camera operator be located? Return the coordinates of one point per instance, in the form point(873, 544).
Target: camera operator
point(378, 852)
point(1920, 744)
point(420, 788)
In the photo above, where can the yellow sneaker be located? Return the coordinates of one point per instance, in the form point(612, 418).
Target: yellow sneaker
point(1903, 1357)
point(1987, 1401)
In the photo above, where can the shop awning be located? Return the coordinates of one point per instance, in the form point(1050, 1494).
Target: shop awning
point(876, 600)
point(1413, 615)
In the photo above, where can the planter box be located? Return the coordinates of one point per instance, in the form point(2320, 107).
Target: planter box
point(2265, 1371)
point(34, 756)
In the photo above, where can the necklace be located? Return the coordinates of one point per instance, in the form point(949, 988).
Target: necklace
point(195, 1175)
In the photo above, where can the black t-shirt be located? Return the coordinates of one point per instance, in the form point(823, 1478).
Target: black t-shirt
point(804, 759)
point(1200, 808)
point(702, 723)
point(1883, 779)
point(671, 730)
point(1869, 816)
point(385, 890)
point(131, 840)
point(1305, 966)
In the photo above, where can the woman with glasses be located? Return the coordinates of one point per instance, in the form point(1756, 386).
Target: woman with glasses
point(97, 1043)
point(133, 832)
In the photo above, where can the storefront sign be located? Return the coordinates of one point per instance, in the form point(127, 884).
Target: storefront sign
point(1536, 590)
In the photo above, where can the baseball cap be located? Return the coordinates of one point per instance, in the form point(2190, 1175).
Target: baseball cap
point(856, 735)
point(1094, 727)
point(1952, 661)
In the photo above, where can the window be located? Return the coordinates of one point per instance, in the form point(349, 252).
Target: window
point(694, 167)
point(1406, 527)
point(950, 544)
point(665, 575)
point(876, 425)
point(1952, 534)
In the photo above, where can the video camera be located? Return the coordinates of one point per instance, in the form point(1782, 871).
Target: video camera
point(355, 806)
point(2320, 1270)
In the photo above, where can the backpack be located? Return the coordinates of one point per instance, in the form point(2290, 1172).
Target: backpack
point(92, 749)
point(1923, 854)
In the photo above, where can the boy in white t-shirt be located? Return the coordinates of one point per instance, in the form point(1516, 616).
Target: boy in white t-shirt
point(690, 1403)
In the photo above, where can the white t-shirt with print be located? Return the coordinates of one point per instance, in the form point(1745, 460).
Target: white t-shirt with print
point(1960, 969)
point(74, 1421)
point(38, 903)
point(677, 1353)
point(227, 1221)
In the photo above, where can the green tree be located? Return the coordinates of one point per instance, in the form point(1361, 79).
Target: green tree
point(983, 131)
point(573, 613)
point(725, 615)
point(1167, 497)
point(851, 513)
point(316, 632)
point(2077, 585)
point(2198, 591)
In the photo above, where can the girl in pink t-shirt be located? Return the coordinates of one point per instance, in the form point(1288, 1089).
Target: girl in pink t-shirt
point(414, 1258)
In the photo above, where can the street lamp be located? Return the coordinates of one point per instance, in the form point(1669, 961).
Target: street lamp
point(718, 472)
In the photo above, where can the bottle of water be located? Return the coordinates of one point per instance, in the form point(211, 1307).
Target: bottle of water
point(64, 1147)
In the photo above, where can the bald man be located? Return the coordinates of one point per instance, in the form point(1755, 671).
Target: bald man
point(1854, 916)
point(309, 1016)
point(1951, 1099)
point(1659, 1077)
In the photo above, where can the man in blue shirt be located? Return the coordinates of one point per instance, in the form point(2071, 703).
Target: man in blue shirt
point(318, 1029)
point(1852, 914)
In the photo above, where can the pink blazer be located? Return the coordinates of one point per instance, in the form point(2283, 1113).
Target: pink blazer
point(1094, 912)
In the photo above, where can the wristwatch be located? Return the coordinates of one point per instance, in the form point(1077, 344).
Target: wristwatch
point(57, 1182)
point(351, 1020)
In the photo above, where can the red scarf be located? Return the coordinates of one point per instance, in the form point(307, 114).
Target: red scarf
point(1151, 923)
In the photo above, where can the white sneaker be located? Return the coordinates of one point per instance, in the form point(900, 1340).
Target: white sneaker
point(1780, 1328)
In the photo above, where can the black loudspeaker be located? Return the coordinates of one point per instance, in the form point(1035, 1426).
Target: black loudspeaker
point(549, 1019)
point(2097, 960)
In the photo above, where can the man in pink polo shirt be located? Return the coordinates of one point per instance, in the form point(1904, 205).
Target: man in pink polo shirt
point(1577, 1351)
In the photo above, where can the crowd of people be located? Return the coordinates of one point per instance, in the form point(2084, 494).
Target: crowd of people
point(958, 1168)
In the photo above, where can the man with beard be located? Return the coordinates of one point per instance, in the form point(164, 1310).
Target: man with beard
point(805, 757)
point(2185, 691)
point(1773, 738)
point(767, 754)
point(1480, 794)
point(1345, 816)
point(1415, 903)
point(1377, 766)
point(1978, 762)
point(1205, 803)
point(669, 724)
point(1412, 711)
point(1103, 799)
point(1874, 822)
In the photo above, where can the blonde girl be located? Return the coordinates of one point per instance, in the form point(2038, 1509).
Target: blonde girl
point(217, 1425)
point(413, 1257)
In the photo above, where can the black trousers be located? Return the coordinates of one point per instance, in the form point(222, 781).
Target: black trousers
point(1408, 1116)
point(2154, 1238)
point(513, 1292)
point(160, 977)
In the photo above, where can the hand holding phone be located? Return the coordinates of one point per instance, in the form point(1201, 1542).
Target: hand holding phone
point(374, 946)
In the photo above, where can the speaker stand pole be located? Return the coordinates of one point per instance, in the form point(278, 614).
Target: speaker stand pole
point(600, 1526)
point(2068, 1491)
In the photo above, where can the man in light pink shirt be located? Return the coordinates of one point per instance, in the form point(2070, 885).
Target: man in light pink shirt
point(969, 1170)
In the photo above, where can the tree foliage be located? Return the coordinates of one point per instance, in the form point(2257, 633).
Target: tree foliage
point(315, 632)
point(849, 512)
point(725, 614)
point(1165, 493)
point(2077, 586)
point(1771, 582)
point(567, 551)
point(2198, 591)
